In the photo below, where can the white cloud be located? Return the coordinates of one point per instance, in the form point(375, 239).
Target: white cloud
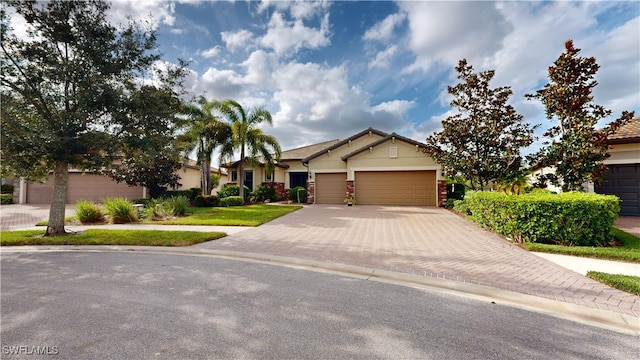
point(383, 58)
point(220, 84)
point(211, 53)
point(285, 37)
point(383, 31)
point(142, 10)
point(236, 40)
point(445, 32)
point(398, 107)
point(297, 9)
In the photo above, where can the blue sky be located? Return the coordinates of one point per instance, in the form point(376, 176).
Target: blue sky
point(327, 70)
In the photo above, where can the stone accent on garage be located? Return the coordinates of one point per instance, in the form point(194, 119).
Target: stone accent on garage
point(311, 192)
point(442, 193)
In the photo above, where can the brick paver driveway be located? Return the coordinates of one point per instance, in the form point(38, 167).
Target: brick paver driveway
point(426, 241)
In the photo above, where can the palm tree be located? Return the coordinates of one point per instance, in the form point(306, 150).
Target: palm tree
point(205, 133)
point(248, 138)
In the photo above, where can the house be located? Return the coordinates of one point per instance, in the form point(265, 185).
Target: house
point(372, 166)
point(95, 187)
point(623, 175)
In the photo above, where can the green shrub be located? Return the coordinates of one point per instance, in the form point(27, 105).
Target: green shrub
point(88, 212)
point(6, 199)
point(565, 219)
point(264, 193)
point(455, 191)
point(176, 205)
point(234, 190)
point(142, 201)
point(174, 193)
point(207, 201)
point(232, 201)
point(194, 193)
point(6, 189)
point(298, 194)
point(120, 210)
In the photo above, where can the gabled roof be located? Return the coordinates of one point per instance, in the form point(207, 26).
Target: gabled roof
point(383, 140)
point(628, 133)
point(304, 151)
point(345, 141)
point(261, 163)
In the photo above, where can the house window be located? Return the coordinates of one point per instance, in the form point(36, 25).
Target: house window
point(393, 152)
point(268, 176)
point(234, 176)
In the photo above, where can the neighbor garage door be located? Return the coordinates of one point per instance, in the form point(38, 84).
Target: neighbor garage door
point(624, 182)
point(89, 187)
point(395, 188)
point(331, 188)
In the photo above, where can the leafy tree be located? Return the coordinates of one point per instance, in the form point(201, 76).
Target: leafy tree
point(482, 142)
point(575, 148)
point(204, 134)
point(247, 137)
point(67, 90)
point(154, 171)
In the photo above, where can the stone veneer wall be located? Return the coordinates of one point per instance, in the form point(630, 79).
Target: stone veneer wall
point(279, 188)
point(442, 193)
point(311, 192)
point(350, 189)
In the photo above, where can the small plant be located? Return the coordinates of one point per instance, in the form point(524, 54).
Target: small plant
point(207, 201)
point(349, 200)
point(176, 205)
point(6, 199)
point(233, 190)
point(264, 193)
point(6, 189)
point(298, 194)
point(232, 201)
point(120, 210)
point(88, 212)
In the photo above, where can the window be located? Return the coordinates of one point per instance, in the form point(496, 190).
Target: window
point(234, 176)
point(268, 176)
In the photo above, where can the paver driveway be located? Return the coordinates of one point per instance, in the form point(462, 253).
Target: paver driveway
point(426, 241)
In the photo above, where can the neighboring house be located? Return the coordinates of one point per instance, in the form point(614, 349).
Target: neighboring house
point(623, 176)
point(95, 187)
point(374, 167)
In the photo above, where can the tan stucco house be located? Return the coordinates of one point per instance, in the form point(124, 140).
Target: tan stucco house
point(372, 166)
point(623, 175)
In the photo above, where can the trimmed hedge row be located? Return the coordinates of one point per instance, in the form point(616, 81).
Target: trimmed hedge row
point(570, 219)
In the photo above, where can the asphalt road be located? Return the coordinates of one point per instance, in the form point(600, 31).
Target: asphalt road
point(79, 305)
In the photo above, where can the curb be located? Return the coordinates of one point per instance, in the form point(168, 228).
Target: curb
point(595, 317)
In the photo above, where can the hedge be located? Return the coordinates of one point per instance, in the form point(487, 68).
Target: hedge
point(570, 219)
point(6, 199)
point(298, 192)
point(234, 190)
point(207, 201)
point(232, 201)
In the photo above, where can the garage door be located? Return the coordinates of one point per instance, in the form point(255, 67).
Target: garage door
point(82, 187)
point(331, 188)
point(93, 187)
point(396, 188)
point(624, 182)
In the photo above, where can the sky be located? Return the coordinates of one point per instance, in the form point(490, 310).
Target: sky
point(327, 70)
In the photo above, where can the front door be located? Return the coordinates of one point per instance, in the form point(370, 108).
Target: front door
point(248, 179)
point(298, 179)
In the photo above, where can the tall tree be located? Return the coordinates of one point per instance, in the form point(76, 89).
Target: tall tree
point(247, 137)
point(574, 147)
point(205, 133)
point(66, 87)
point(482, 141)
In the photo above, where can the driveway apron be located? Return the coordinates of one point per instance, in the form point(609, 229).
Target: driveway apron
point(426, 241)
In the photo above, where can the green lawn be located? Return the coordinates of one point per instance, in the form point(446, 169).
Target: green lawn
point(248, 215)
point(629, 251)
point(630, 284)
point(110, 237)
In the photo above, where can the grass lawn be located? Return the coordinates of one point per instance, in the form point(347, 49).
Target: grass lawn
point(629, 251)
point(248, 215)
point(630, 284)
point(110, 237)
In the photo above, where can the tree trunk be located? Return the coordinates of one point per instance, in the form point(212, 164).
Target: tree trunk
point(207, 177)
point(241, 173)
point(59, 200)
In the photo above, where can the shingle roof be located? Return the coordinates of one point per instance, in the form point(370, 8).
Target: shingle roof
point(630, 130)
point(342, 142)
point(304, 151)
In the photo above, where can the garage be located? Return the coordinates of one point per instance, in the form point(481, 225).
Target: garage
point(83, 187)
point(414, 188)
point(331, 188)
point(623, 181)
